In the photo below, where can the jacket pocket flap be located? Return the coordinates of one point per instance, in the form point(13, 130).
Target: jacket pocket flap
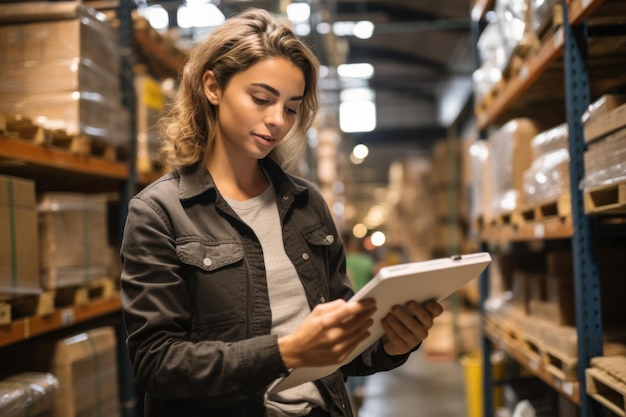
point(209, 257)
point(318, 236)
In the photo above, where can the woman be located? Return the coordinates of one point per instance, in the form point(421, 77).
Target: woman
point(233, 273)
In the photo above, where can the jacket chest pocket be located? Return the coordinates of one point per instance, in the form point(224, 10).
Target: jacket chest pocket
point(218, 277)
point(318, 242)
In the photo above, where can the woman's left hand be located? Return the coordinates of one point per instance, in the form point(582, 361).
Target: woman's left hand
point(407, 325)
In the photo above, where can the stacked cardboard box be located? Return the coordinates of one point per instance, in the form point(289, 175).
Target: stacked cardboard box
point(73, 239)
point(605, 133)
point(547, 178)
point(510, 155)
point(62, 72)
point(86, 366)
point(19, 255)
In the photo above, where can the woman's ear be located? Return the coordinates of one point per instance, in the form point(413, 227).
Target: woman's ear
point(212, 90)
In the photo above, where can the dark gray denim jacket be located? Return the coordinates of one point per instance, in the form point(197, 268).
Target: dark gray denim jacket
point(195, 301)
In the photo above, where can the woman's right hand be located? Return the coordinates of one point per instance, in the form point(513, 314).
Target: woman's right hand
point(328, 335)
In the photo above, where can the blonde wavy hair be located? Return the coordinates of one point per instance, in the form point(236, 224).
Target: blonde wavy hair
point(188, 126)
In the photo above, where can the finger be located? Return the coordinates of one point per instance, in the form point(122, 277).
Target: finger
point(407, 327)
point(348, 311)
point(434, 308)
point(396, 342)
point(420, 313)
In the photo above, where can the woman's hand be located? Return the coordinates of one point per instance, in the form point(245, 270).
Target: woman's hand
point(328, 335)
point(406, 326)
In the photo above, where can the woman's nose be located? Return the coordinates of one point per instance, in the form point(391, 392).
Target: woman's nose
point(275, 116)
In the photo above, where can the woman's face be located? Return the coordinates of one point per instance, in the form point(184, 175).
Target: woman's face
point(257, 108)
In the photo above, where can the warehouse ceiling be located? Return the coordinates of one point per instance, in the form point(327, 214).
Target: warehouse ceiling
point(410, 50)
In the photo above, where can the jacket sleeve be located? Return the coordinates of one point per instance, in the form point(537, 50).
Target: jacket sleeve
point(158, 314)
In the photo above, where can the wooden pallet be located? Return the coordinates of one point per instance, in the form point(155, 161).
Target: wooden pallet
point(563, 367)
point(36, 305)
point(557, 207)
point(606, 383)
point(18, 127)
point(608, 199)
point(82, 295)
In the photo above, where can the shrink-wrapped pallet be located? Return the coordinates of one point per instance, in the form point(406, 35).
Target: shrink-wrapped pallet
point(62, 71)
point(28, 394)
point(19, 254)
point(86, 366)
point(547, 178)
point(510, 155)
point(73, 239)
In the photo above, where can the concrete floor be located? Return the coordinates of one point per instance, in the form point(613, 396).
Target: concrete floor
point(419, 388)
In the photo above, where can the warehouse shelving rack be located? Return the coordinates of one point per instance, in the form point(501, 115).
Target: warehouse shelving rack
point(569, 44)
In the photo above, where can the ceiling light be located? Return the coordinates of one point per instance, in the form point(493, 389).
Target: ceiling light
point(158, 17)
point(359, 230)
point(360, 151)
point(378, 239)
point(363, 29)
point(298, 12)
point(362, 71)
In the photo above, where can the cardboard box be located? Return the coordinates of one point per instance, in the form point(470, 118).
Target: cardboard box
point(19, 252)
point(73, 239)
point(604, 116)
point(86, 366)
point(510, 155)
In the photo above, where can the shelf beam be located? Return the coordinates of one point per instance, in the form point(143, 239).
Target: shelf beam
point(28, 327)
point(21, 150)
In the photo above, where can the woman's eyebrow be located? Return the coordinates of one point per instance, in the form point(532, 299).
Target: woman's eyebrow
point(275, 91)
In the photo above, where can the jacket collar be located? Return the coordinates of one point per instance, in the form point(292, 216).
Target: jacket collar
point(196, 180)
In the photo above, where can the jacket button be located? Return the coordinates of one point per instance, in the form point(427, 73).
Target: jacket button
point(285, 197)
point(322, 299)
point(207, 262)
point(305, 256)
point(330, 238)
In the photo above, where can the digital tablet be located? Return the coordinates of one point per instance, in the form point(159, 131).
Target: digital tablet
point(421, 281)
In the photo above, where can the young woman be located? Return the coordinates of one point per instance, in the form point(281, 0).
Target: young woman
point(233, 272)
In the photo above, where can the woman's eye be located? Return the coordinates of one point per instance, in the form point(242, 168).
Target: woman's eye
point(291, 111)
point(259, 100)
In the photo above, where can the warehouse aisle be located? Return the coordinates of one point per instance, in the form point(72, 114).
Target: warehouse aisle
point(420, 388)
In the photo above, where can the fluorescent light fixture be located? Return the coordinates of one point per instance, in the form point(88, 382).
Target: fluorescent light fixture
point(359, 116)
point(363, 29)
point(357, 94)
point(199, 14)
point(298, 12)
point(343, 28)
point(158, 17)
point(302, 29)
point(361, 151)
point(323, 28)
point(363, 71)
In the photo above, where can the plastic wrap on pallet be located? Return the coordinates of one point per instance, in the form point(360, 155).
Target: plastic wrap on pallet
point(492, 58)
point(479, 161)
point(548, 175)
point(62, 72)
point(58, 75)
point(510, 156)
point(75, 113)
point(73, 239)
point(540, 13)
point(87, 367)
point(603, 105)
point(605, 161)
point(87, 35)
point(511, 18)
point(547, 178)
point(19, 258)
point(550, 140)
point(28, 394)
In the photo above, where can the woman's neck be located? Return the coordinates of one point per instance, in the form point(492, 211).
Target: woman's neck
point(238, 182)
